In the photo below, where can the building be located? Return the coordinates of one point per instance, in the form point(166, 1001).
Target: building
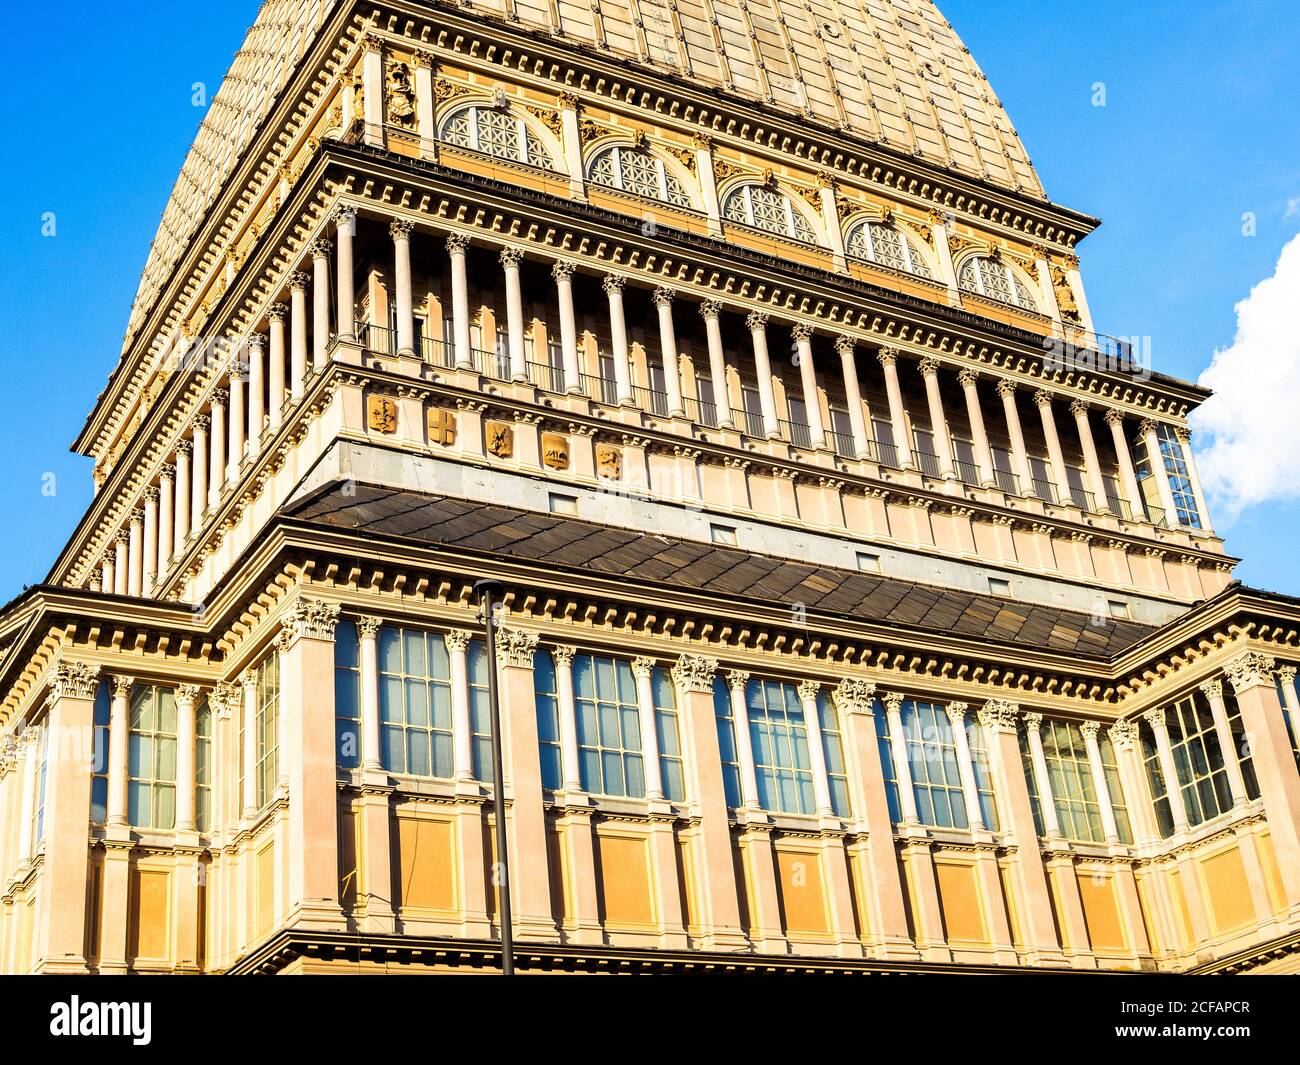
point(863, 609)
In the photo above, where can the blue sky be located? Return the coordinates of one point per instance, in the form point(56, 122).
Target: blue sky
point(1198, 129)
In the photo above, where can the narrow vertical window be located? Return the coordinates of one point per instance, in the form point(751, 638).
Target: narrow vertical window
point(670, 744)
point(779, 736)
point(415, 702)
point(609, 727)
point(203, 765)
point(99, 766)
point(727, 742)
point(267, 728)
point(833, 748)
point(151, 758)
point(546, 694)
point(347, 696)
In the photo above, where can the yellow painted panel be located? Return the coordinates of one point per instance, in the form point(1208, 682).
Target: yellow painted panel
point(1272, 875)
point(265, 870)
point(959, 897)
point(1100, 907)
point(150, 924)
point(426, 863)
point(803, 900)
point(1182, 913)
point(1228, 891)
point(1007, 877)
point(625, 881)
point(348, 864)
point(692, 912)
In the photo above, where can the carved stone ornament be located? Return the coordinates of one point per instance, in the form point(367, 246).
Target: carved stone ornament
point(400, 96)
point(555, 451)
point(500, 438)
point(999, 715)
point(73, 680)
point(609, 462)
point(311, 618)
point(440, 423)
point(1123, 734)
point(695, 673)
point(853, 695)
point(381, 414)
point(1250, 670)
point(515, 647)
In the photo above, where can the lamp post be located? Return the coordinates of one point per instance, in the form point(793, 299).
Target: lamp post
point(489, 593)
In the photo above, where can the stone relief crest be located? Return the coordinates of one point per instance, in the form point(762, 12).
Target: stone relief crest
point(500, 439)
point(381, 414)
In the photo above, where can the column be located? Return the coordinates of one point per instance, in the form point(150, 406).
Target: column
point(703, 146)
point(256, 392)
point(898, 750)
point(166, 510)
point(306, 648)
point(400, 231)
point(135, 555)
point(886, 909)
point(456, 246)
point(108, 574)
point(1290, 697)
point(736, 681)
point(1213, 692)
point(1037, 925)
point(1251, 676)
point(217, 450)
point(422, 63)
point(711, 312)
point(372, 89)
point(320, 302)
point(1043, 401)
point(510, 258)
point(831, 218)
point(1042, 779)
point(571, 769)
point(187, 695)
point(30, 751)
point(1133, 780)
point(119, 739)
point(571, 136)
point(969, 381)
point(275, 379)
point(199, 471)
point(345, 229)
point(1189, 460)
point(756, 323)
point(943, 251)
point(1108, 824)
point(717, 891)
point(236, 422)
point(368, 670)
point(1128, 476)
point(802, 334)
point(121, 562)
point(462, 735)
point(853, 397)
point(182, 510)
point(248, 692)
point(1156, 460)
point(150, 539)
point(1079, 408)
point(1168, 768)
point(613, 286)
point(938, 421)
point(663, 301)
point(965, 766)
point(563, 274)
point(888, 358)
point(643, 670)
point(297, 333)
point(1006, 390)
point(61, 937)
point(809, 691)
point(531, 891)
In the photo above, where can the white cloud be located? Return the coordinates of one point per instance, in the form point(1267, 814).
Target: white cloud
point(1252, 454)
point(1292, 209)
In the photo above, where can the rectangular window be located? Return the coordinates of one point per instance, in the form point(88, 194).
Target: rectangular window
point(932, 758)
point(151, 758)
point(979, 756)
point(1156, 778)
point(837, 775)
point(480, 711)
point(1171, 450)
point(415, 703)
point(99, 766)
point(267, 728)
point(999, 586)
point(723, 534)
point(779, 737)
point(347, 696)
point(868, 563)
point(609, 727)
point(38, 812)
point(546, 696)
point(558, 503)
point(1078, 806)
point(671, 770)
point(885, 749)
point(727, 741)
point(203, 765)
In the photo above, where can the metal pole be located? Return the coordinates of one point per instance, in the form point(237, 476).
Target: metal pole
point(488, 592)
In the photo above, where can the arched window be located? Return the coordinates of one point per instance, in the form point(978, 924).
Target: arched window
point(637, 171)
point(994, 279)
point(495, 131)
point(767, 209)
point(884, 245)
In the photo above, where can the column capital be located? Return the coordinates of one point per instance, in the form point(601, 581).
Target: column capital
point(256, 341)
point(737, 679)
point(1042, 398)
point(515, 647)
point(276, 312)
point(297, 281)
point(566, 101)
point(1147, 426)
point(422, 59)
point(1111, 416)
point(1184, 434)
point(643, 666)
point(368, 627)
point(458, 639)
point(224, 698)
point(457, 243)
point(810, 689)
point(151, 494)
point(188, 694)
point(564, 654)
point(957, 712)
point(220, 397)
point(137, 517)
point(184, 448)
point(700, 139)
point(1286, 674)
point(1155, 717)
point(1250, 670)
point(1005, 387)
point(845, 345)
point(1212, 689)
point(1079, 408)
point(1033, 722)
point(345, 215)
point(695, 673)
point(73, 680)
point(801, 331)
point(122, 537)
point(167, 471)
point(320, 248)
point(853, 695)
point(203, 423)
point(893, 701)
point(756, 321)
point(1090, 729)
point(311, 618)
point(612, 283)
point(929, 367)
point(400, 229)
point(1123, 734)
point(710, 309)
point(510, 257)
point(999, 715)
point(121, 685)
point(887, 356)
point(562, 270)
point(663, 296)
point(967, 378)
point(248, 681)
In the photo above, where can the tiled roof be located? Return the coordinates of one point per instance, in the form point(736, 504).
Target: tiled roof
point(574, 545)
